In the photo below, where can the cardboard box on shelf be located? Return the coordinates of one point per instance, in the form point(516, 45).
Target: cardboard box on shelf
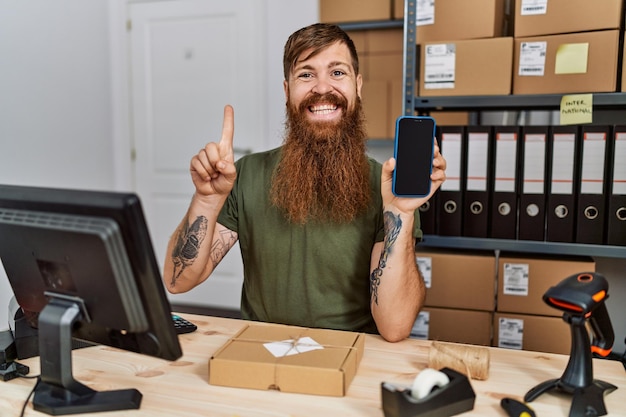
point(453, 19)
point(466, 67)
point(454, 325)
point(458, 279)
point(573, 63)
point(376, 102)
point(359, 37)
point(289, 359)
point(532, 18)
point(450, 118)
point(398, 9)
point(528, 332)
point(385, 41)
point(343, 11)
point(523, 281)
point(624, 68)
point(384, 66)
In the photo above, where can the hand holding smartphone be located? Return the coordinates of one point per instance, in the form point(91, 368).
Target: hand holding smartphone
point(413, 150)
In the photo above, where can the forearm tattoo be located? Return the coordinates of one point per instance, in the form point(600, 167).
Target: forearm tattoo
point(222, 245)
point(187, 246)
point(393, 224)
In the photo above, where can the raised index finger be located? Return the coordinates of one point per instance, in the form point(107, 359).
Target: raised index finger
point(228, 131)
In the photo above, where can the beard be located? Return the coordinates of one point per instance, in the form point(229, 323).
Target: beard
point(323, 173)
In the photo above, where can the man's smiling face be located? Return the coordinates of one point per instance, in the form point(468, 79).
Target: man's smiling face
point(325, 84)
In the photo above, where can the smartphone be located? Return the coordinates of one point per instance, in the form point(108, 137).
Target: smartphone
point(413, 150)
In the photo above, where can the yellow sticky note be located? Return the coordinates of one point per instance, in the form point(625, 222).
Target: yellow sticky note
point(571, 58)
point(576, 109)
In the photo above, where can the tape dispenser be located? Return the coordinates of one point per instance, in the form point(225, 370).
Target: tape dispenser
point(434, 393)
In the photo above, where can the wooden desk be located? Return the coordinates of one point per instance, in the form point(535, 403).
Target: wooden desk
point(180, 388)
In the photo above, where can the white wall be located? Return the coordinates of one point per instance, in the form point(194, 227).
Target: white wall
point(62, 108)
point(55, 106)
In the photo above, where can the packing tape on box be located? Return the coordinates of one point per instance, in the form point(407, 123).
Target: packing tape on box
point(472, 361)
point(293, 345)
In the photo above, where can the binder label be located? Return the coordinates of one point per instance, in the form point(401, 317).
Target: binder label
point(510, 333)
point(619, 168)
point(506, 155)
point(563, 163)
point(593, 163)
point(534, 163)
point(451, 149)
point(477, 164)
point(515, 279)
point(425, 266)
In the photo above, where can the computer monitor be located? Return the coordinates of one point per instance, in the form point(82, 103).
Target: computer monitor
point(81, 264)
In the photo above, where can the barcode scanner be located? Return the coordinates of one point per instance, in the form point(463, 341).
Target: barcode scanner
point(581, 297)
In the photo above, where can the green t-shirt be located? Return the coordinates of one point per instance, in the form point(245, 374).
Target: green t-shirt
point(312, 275)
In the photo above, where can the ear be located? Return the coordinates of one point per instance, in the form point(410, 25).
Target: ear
point(359, 85)
point(286, 88)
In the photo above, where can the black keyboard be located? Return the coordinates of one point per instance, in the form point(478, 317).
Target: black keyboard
point(182, 325)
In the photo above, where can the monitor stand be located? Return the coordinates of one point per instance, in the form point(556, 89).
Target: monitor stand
point(57, 392)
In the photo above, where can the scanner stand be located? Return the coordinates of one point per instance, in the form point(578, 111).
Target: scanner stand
point(588, 393)
point(454, 398)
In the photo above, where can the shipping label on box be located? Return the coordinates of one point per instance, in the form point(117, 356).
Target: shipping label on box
point(439, 66)
point(289, 359)
point(515, 279)
point(530, 332)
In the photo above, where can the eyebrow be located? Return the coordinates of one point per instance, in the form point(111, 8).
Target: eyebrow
point(333, 64)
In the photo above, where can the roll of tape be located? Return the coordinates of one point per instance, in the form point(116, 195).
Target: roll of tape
point(426, 381)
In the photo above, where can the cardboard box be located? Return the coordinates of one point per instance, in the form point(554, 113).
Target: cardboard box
point(245, 361)
point(522, 282)
point(565, 16)
point(387, 66)
point(376, 106)
point(385, 41)
point(527, 332)
point(461, 280)
point(466, 67)
point(573, 63)
point(454, 325)
point(451, 118)
point(359, 38)
point(398, 9)
point(341, 11)
point(624, 68)
point(467, 19)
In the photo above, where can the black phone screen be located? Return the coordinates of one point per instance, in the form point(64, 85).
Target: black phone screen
point(413, 151)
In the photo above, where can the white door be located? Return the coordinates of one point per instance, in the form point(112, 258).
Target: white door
point(188, 59)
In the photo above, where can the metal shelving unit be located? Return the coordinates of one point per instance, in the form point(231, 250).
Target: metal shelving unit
point(423, 105)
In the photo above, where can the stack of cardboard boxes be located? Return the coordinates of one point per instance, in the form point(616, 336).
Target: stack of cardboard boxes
point(566, 46)
point(486, 47)
point(381, 60)
point(473, 297)
point(460, 297)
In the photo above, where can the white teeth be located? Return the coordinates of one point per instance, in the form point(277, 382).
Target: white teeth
point(325, 109)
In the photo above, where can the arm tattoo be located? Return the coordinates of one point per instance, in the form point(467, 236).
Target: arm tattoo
point(393, 224)
point(222, 245)
point(187, 246)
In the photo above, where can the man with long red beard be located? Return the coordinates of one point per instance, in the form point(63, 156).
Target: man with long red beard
point(324, 241)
